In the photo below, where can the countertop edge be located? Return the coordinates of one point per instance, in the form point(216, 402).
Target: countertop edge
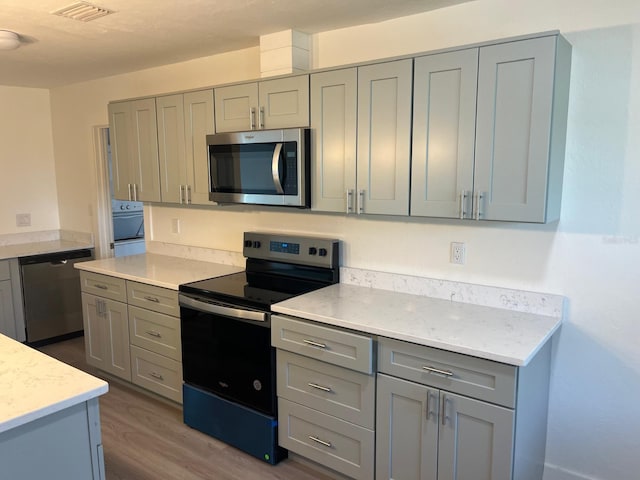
point(127, 276)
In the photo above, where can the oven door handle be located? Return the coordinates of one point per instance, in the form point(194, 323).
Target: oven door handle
point(275, 169)
point(207, 307)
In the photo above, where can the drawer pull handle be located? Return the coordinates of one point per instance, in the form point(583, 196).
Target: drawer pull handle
point(153, 333)
point(101, 286)
point(156, 375)
point(321, 442)
point(151, 299)
point(314, 344)
point(437, 371)
point(319, 387)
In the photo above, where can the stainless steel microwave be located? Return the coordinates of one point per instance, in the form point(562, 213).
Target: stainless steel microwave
point(265, 167)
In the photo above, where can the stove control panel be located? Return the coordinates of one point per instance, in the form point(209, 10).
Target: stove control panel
point(316, 251)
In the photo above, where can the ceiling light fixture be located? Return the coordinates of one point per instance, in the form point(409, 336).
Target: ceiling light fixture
point(9, 40)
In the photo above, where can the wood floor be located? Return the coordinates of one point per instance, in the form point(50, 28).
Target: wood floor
point(145, 439)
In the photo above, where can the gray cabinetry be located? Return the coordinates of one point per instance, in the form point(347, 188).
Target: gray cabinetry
point(134, 152)
point(183, 121)
point(326, 394)
point(444, 119)
point(334, 106)
point(276, 103)
point(521, 123)
point(11, 310)
point(384, 138)
point(429, 425)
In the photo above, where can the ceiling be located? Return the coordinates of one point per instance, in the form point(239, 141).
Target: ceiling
point(141, 34)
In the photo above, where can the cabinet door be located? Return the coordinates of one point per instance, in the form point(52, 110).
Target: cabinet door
point(106, 337)
point(476, 439)
point(406, 430)
point(145, 133)
point(236, 107)
point(198, 111)
point(171, 148)
point(384, 137)
point(284, 102)
point(515, 95)
point(121, 149)
point(7, 321)
point(444, 119)
point(334, 106)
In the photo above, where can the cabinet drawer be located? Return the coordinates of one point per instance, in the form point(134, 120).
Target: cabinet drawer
point(330, 345)
point(155, 331)
point(4, 270)
point(474, 377)
point(340, 392)
point(156, 373)
point(103, 286)
point(340, 445)
point(153, 298)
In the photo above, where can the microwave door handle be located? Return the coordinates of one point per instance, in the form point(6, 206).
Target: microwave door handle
point(275, 170)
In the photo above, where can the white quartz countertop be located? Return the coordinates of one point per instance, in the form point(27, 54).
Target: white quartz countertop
point(34, 385)
point(159, 270)
point(38, 248)
point(492, 333)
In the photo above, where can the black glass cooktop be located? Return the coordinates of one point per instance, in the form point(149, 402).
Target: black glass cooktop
point(264, 284)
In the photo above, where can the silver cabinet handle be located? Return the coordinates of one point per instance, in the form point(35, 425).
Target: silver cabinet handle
point(361, 201)
point(188, 194)
point(275, 173)
point(181, 194)
point(321, 442)
point(319, 387)
point(437, 371)
point(101, 286)
point(479, 197)
point(444, 410)
point(252, 118)
point(129, 188)
point(155, 375)
point(151, 299)
point(153, 333)
point(349, 201)
point(135, 192)
point(463, 198)
point(261, 119)
point(314, 344)
point(429, 411)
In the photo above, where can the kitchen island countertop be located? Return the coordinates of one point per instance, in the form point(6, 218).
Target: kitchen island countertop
point(34, 385)
point(159, 270)
point(497, 334)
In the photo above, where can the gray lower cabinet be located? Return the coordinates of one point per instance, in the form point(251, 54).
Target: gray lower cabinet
point(429, 426)
point(326, 395)
point(11, 310)
point(132, 331)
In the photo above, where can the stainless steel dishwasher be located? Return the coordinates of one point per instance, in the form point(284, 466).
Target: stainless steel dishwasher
point(51, 294)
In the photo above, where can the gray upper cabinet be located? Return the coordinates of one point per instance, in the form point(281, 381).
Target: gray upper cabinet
point(134, 151)
point(384, 137)
point(277, 103)
point(334, 106)
point(520, 129)
point(183, 122)
point(444, 120)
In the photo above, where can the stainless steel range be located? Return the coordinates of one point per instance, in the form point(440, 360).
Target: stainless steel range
point(228, 363)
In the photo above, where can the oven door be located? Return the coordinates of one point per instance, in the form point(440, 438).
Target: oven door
point(227, 350)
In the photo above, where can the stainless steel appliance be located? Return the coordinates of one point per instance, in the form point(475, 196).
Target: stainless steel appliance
point(128, 227)
point(51, 293)
point(268, 167)
point(228, 363)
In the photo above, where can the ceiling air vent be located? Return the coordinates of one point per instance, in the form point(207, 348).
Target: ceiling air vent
point(82, 11)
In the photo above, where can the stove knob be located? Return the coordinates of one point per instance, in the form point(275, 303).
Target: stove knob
point(121, 207)
point(256, 244)
point(313, 250)
point(323, 252)
point(248, 243)
point(128, 207)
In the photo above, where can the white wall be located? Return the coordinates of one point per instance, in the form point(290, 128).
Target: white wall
point(591, 256)
point(26, 160)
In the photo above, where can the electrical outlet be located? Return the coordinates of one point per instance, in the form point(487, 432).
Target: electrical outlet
point(23, 220)
point(457, 253)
